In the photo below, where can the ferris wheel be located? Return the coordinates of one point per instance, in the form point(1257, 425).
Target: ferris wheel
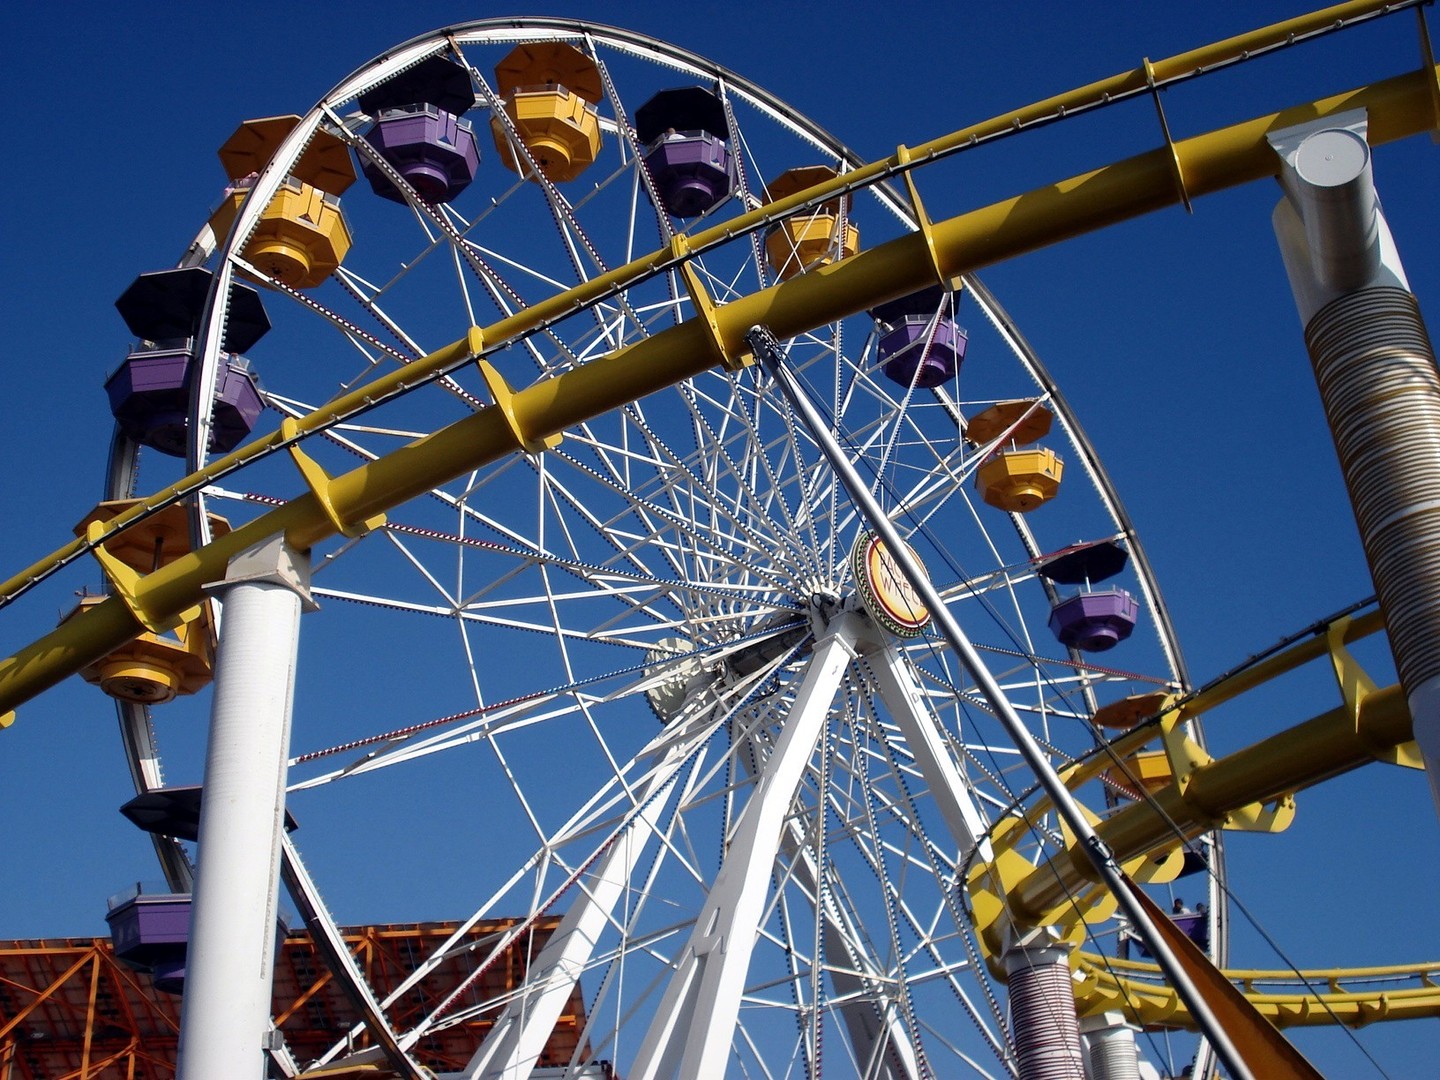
point(654, 686)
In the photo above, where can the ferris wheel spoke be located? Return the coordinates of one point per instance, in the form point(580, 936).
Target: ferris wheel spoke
point(747, 493)
point(934, 488)
point(365, 293)
point(437, 228)
point(520, 1033)
point(947, 971)
point(573, 236)
point(859, 983)
point(889, 986)
point(780, 471)
point(632, 548)
point(487, 723)
point(683, 522)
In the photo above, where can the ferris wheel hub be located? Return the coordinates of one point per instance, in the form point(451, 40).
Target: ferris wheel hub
point(885, 594)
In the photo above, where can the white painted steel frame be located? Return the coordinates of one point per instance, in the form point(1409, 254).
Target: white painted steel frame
point(711, 499)
point(520, 1033)
point(225, 1012)
point(691, 1033)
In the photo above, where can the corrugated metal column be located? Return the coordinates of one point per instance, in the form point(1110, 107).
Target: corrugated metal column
point(1375, 367)
point(225, 1015)
point(1110, 1047)
point(1043, 1025)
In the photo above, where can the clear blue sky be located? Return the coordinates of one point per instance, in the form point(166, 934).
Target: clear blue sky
point(1174, 338)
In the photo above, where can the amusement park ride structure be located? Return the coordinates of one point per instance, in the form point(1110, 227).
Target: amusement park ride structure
point(828, 840)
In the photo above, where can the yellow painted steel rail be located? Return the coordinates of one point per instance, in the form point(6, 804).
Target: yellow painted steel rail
point(1252, 789)
point(1397, 107)
point(1351, 996)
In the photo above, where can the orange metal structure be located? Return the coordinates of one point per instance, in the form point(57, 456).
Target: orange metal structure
point(70, 1011)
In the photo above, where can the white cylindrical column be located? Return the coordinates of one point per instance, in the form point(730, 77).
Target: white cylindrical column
point(225, 1013)
point(1110, 1043)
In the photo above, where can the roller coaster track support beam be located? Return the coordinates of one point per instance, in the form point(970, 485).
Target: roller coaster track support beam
point(1375, 367)
point(225, 1016)
point(1211, 162)
point(1110, 1047)
point(1042, 1008)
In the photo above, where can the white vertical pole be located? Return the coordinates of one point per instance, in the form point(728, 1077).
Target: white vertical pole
point(1110, 1042)
point(225, 1012)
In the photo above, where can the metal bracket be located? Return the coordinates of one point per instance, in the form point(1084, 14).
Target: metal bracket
point(125, 583)
point(1186, 756)
point(1427, 57)
point(988, 882)
point(1355, 687)
point(318, 481)
point(1169, 142)
point(923, 224)
point(503, 397)
point(1272, 818)
point(1096, 901)
point(1355, 684)
point(1184, 753)
point(704, 306)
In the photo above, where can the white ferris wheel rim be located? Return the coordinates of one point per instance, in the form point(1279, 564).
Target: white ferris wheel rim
point(587, 818)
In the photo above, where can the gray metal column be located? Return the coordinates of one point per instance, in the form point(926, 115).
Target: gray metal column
point(1043, 1024)
point(1110, 1047)
point(1375, 368)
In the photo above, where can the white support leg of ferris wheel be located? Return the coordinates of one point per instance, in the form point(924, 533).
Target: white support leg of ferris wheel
point(691, 1033)
point(903, 700)
point(225, 1014)
point(877, 1036)
point(518, 1038)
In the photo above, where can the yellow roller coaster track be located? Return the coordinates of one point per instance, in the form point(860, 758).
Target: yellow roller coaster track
point(1252, 789)
point(1178, 171)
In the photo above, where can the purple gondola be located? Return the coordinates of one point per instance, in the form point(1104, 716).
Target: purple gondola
point(683, 133)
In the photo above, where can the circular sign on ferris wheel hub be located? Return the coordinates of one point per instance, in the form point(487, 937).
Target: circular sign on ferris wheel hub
point(885, 593)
